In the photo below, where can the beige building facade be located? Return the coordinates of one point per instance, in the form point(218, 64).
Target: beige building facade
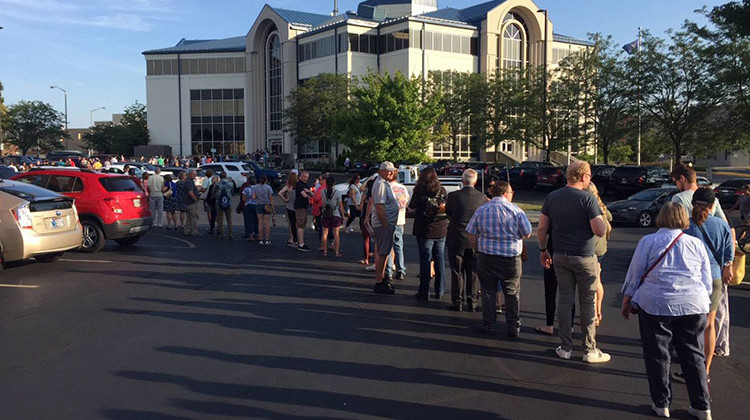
point(227, 96)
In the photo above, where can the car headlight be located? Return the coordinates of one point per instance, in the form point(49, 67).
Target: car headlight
point(630, 209)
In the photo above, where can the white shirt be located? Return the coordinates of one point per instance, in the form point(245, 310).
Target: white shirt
point(686, 199)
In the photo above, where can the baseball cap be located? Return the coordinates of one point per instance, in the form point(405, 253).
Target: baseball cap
point(295, 171)
point(704, 196)
point(387, 166)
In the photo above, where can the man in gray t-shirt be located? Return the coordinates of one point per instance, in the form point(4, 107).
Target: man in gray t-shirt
point(575, 218)
point(686, 181)
point(383, 220)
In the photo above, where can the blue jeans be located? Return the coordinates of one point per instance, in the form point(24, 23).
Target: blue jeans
point(251, 220)
point(431, 250)
point(398, 252)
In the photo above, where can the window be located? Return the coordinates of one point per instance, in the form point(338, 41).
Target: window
point(273, 82)
point(321, 48)
point(215, 119)
point(512, 54)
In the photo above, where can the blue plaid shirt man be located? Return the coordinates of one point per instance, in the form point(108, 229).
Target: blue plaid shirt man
point(499, 227)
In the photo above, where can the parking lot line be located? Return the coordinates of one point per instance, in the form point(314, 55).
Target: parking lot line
point(19, 286)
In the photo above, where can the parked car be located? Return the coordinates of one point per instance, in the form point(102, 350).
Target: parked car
point(64, 154)
point(200, 174)
point(143, 166)
point(728, 191)
point(601, 175)
point(455, 170)
point(19, 160)
point(642, 207)
point(551, 177)
point(364, 168)
point(523, 176)
point(236, 171)
point(109, 206)
point(275, 178)
point(628, 179)
point(36, 222)
point(6, 172)
point(702, 182)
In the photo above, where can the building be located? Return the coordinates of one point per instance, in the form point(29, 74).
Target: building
point(227, 95)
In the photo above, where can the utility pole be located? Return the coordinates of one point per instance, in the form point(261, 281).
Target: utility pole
point(639, 95)
point(65, 92)
point(544, 90)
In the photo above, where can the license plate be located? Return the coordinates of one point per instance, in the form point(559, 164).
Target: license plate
point(57, 223)
point(136, 202)
point(624, 181)
point(544, 177)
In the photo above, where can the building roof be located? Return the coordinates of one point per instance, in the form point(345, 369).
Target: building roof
point(188, 46)
point(570, 40)
point(302, 18)
point(472, 14)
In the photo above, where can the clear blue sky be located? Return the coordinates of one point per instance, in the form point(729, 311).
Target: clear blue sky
point(92, 48)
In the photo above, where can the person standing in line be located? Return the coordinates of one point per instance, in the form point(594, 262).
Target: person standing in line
point(263, 197)
point(430, 228)
point(191, 202)
point(600, 249)
point(144, 186)
point(249, 211)
point(203, 190)
point(302, 196)
point(668, 285)
point(575, 218)
point(182, 198)
point(396, 259)
point(496, 231)
point(212, 192)
point(716, 235)
point(355, 196)
point(331, 215)
point(287, 196)
point(383, 218)
point(316, 209)
point(170, 202)
point(224, 210)
point(460, 207)
point(685, 178)
point(743, 204)
point(365, 228)
point(156, 197)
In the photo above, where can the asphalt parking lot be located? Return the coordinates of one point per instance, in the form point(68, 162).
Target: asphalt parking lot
point(194, 328)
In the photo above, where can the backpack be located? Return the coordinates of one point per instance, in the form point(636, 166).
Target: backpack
point(225, 201)
point(328, 209)
point(432, 205)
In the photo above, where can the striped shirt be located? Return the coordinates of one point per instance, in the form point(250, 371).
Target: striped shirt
point(499, 227)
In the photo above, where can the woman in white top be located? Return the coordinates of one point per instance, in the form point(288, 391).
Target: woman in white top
point(287, 195)
point(263, 196)
point(668, 285)
point(354, 195)
point(331, 215)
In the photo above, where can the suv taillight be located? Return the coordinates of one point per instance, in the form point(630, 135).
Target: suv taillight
point(114, 205)
point(22, 214)
point(641, 179)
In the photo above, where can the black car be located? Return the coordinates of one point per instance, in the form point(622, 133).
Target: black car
point(364, 169)
point(524, 176)
point(601, 175)
point(551, 177)
point(728, 191)
point(628, 179)
point(641, 208)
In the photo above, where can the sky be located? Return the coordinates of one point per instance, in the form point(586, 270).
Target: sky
point(92, 48)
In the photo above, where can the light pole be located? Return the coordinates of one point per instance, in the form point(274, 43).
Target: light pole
point(544, 90)
point(91, 115)
point(66, 112)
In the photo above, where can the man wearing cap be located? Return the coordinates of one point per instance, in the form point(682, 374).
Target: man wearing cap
point(383, 220)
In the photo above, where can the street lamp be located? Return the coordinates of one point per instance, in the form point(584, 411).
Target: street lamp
point(544, 91)
point(91, 115)
point(66, 112)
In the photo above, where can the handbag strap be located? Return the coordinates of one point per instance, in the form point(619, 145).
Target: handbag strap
point(710, 245)
point(661, 257)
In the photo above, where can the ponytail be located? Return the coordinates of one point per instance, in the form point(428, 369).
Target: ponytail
point(700, 213)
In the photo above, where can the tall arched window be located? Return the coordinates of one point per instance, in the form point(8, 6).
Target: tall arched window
point(273, 83)
point(513, 41)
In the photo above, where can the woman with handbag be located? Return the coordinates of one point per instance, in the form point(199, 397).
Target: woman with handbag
point(717, 237)
point(668, 285)
point(263, 196)
point(430, 228)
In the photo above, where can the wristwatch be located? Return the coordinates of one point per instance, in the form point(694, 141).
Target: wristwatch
point(542, 249)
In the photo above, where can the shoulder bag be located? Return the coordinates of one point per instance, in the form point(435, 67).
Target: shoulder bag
point(633, 309)
point(738, 264)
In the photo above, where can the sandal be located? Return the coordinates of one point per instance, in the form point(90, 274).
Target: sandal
point(364, 262)
point(540, 330)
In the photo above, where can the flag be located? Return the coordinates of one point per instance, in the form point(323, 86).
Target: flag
point(632, 48)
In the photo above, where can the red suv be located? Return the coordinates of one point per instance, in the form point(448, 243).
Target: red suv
point(109, 206)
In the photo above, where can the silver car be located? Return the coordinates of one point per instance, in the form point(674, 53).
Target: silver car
point(36, 223)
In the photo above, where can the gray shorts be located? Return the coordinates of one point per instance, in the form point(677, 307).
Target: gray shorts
point(384, 238)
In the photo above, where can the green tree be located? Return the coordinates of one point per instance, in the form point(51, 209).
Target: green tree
point(121, 138)
point(505, 100)
point(461, 97)
point(29, 124)
point(2, 114)
point(678, 90)
point(389, 119)
point(312, 109)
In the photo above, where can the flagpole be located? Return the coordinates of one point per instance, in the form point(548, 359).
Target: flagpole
point(639, 96)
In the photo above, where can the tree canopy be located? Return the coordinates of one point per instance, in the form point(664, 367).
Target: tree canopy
point(29, 124)
point(121, 138)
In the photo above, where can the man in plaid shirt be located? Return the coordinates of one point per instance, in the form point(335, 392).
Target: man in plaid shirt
point(496, 232)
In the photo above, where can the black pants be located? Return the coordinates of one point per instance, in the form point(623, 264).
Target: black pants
point(550, 296)
point(292, 219)
point(504, 272)
point(464, 277)
point(685, 333)
point(353, 214)
point(212, 216)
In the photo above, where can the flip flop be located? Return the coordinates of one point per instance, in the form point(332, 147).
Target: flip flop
point(543, 332)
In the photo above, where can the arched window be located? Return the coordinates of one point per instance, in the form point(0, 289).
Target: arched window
point(513, 41)
point(273, 83)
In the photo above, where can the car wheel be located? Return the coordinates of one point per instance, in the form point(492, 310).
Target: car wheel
point(93, 237)
point(48, 258)
point(645, 219)
point(130, 240)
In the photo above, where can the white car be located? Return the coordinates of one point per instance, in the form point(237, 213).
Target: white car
point(236, 171)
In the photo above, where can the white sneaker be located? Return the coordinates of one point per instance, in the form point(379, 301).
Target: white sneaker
point(350, 229)
point(700, 414)
point(596, 356)
point(562, 353)
point(370, 267)
point(660, 411)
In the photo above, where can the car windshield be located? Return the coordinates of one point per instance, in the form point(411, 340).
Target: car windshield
point(623, 172)
point(120, 184)
point(246, 167)
point(647, 195)
point(735, 183)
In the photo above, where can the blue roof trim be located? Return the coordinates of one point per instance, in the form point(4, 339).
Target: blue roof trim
point(302, 18)
point(570, 40)
point(470, 15)
point(194, 46)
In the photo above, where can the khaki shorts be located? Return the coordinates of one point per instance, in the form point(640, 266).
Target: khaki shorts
point(716, 294)
point(300, 215)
